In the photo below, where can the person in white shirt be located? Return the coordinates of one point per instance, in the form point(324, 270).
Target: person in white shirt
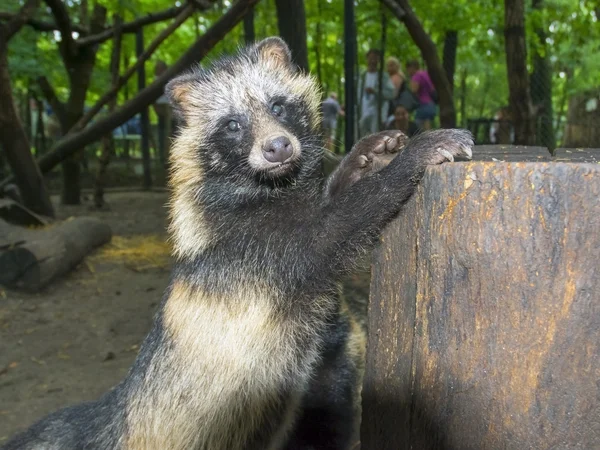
point(368, 96)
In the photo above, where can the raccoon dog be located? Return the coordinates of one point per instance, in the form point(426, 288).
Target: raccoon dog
point(251, 347)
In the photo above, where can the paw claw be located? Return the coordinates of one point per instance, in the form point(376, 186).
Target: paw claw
point(446, 154)
point(467, 151)
point(363, 161)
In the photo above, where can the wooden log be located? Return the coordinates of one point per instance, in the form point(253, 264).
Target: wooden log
point(589, 155)
point(511, 153)
point(484, 317)
point(31, 259)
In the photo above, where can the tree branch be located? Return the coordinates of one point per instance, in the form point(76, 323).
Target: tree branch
point(73, 143)
point(19, 19)
point(63, 22)
point(115, 58)
point(40, 25)
point(135, 25)
point(89, 115)
point(395, 8)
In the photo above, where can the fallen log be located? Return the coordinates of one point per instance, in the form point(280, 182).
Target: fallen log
point(31, 259)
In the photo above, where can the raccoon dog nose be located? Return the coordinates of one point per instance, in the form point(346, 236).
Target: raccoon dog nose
point(278, 149)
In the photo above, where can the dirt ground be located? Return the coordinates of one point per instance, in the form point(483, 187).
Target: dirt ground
point(78, 337)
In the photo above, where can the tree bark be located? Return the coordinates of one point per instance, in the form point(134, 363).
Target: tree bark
point(449, 59)
point(484, 333)
point(317, 43)
point(404, 13)
point(73, 143)
point(522, 113)
point(13, 138)
point(108, 143)
point(40, 130)
point(349, 75)
point(463, 98)
point(291, 20)
point(17, 149)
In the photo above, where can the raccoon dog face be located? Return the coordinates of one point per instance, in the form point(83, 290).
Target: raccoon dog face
point(251, 118)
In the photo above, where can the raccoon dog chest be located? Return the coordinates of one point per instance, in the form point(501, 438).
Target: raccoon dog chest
point(252, 347)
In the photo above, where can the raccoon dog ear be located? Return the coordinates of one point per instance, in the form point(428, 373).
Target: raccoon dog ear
point(177, 91)
point(276, 51)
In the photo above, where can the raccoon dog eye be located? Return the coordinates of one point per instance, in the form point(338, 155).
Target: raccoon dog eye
point(233, 125)
point(277, 109)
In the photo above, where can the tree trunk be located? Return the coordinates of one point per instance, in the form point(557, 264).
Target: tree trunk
point(518, 79)
point(484, 333)
point(13, 140)
point(349, 62)
point(71, 176)
point(317, 43)
point(108, 142)
point(463, 98)
point(40, 131)
point(2, 164)
point(108, 148)
point(291, 19)
point(249, 35)
point(403, 11)
point(541, 89)
point(145, 122)
point(80, 67)
point(449, 60)
point(380, 118)
point(27, 118)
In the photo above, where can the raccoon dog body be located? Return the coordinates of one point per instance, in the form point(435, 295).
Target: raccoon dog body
point(251, 348)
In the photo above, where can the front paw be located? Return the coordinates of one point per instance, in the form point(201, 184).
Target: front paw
point(371, 154)
point(440, 146)
point(375, 151)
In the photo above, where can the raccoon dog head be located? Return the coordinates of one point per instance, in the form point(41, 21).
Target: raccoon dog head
point(252, 118)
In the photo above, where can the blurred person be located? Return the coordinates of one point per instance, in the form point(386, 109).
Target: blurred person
point(331, 110)
point(423, 88)
point(368, 95)
point(401, 121)
point(397, 77)
point(502, 130)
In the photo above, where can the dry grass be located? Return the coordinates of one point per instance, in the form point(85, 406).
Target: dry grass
point(136, 252)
